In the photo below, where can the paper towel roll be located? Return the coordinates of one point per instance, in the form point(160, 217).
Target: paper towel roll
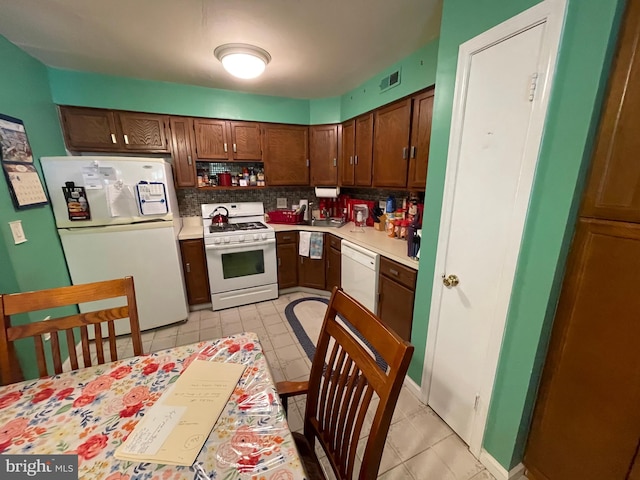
point(306, 210)
point(327, 192)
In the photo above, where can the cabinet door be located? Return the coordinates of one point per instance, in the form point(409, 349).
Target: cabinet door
point(334, 267)
point(142, 132)
point(323, 154)
point(363, 150)
point(347, 153)
point(212, 139)
point(391, 144)
point(287, 265)
point(311, 272)
point(587, 422)
point(194, 265)
point(184, 163)
point(245, 141)
point(90, 129)
point(395, 306)
point(285, 154)
point(420, 139)
point(612, 192)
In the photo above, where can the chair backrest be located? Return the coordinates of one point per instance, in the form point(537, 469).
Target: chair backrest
point(17, 303)
point(344, 377)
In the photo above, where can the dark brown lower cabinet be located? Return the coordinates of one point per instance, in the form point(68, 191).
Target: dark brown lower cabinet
point(586, 422)
point(287, 252)
point(196, 276)
point(312, 272)
point(334, 262)
point(396, 294)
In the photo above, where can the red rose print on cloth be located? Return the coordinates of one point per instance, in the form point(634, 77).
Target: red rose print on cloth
point(12, 430)
point(98, 385)
point(120, 372)
point(83, 401)
point(245, 440)
point(167, 367)
point(136, 395)
point(62, 394)
point(249, 347)
point(42, 395)
point(93, 446)
point(149, 369)
point(130, 411)
point(234, 348)
point(9, 399)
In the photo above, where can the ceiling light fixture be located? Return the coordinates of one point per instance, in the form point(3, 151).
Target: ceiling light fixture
point(242, 60)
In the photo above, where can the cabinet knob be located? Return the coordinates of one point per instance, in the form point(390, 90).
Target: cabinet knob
point(356, 159)
point(335, 162)
point(188, 267)
point(113, 138)
point(307, 162)
point(225, 147)
point(393, 271)
point(413, 152)
point(189, 160)
point(351, 160)
point(405, 150)
point(126, 139)
point(235, 149)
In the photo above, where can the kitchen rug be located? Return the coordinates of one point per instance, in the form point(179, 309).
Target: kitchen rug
point(305, 315)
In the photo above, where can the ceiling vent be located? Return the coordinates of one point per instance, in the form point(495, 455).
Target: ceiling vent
point(390, 81)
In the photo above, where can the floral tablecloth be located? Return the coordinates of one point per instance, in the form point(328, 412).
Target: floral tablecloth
point(92, 411)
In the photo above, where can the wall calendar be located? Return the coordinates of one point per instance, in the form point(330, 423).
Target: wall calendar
point(17, 163)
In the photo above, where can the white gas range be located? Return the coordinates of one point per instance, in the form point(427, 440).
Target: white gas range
point(241, 254)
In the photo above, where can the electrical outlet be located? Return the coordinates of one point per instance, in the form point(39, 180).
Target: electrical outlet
point(46, 336)
point(281, 203)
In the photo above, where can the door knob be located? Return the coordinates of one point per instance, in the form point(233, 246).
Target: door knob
point(450, 281)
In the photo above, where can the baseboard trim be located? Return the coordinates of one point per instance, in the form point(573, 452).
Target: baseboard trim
point(414, 388)
point(498, 471)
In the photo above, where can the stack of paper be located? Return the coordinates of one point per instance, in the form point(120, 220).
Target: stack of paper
point(176, 427)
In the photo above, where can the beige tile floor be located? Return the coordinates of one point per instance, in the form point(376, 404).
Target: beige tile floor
point(419, 445)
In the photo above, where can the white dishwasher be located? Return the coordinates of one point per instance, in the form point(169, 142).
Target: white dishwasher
point(360, 274)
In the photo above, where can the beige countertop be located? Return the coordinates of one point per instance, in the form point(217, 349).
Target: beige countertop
point(371, 239)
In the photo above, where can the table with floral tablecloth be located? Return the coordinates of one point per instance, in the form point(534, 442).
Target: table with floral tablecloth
point(91, 411)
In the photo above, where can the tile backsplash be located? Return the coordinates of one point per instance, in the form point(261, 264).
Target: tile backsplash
point(190, 199)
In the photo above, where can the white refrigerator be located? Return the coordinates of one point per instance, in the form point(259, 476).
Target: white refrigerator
point(118, 216)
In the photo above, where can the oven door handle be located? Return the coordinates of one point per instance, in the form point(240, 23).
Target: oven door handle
point(227, 246)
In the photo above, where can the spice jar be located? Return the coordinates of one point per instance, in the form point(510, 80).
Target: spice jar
point(403, 229)
point(390, 227)
point(260, 176)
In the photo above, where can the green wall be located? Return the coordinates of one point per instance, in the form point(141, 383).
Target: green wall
point(104, 91)
point(39, 263)
point(580, 79)
point(418, 71)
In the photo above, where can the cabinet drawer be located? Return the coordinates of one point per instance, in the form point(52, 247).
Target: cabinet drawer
point(401, 274)
point(286, 237)
point(335, 242)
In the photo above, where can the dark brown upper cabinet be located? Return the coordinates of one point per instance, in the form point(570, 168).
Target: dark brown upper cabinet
point(357, 151)
point(285, 154)
point(391, 144)
point(323, 154)
point(101, 130)
point(420, 139)
point(184, 161)
point(225, 140)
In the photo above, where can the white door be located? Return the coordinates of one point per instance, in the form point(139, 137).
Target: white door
point(492, 156)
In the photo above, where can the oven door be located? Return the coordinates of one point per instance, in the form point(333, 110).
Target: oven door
point(237, 266)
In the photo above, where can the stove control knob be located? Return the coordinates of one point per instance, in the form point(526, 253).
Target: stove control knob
point(241, 238)
point(226, 240)
point(263, 236)
point(216, 240)
point(255, 236)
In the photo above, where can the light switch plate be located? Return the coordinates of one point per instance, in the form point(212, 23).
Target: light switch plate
point(17, 232)
point(281, 203)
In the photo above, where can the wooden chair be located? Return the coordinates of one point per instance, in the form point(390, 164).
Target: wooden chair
point(17, 303)
point(343, 379)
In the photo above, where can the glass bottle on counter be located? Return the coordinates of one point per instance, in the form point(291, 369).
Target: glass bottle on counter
point(260, 177)
point(253, 179)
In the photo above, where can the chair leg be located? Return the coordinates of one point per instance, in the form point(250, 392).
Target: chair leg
point(285, 405)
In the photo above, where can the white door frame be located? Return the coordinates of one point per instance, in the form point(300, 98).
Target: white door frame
point(551, 12)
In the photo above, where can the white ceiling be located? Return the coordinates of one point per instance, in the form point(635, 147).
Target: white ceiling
point(319, 48)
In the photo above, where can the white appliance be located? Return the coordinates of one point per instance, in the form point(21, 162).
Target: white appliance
point(241, 255)
point(126, 228)
point(360, 274)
